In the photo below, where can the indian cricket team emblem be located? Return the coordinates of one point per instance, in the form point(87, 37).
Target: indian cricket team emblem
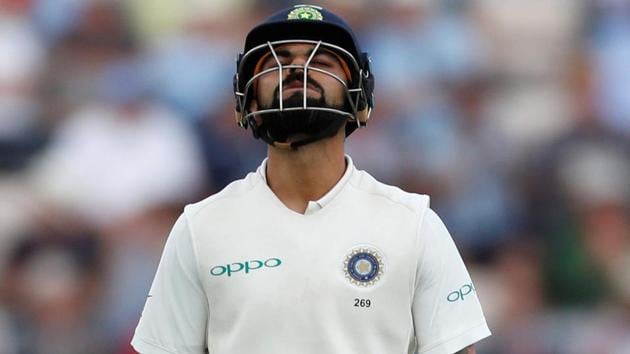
point(363, 267)
point(305, 12)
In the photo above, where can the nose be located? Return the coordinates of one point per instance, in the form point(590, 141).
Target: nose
point(298, 60)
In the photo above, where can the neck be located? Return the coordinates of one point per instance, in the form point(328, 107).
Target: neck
point(306, 174)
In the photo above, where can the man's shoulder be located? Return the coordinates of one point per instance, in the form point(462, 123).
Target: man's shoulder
point(371, 187)
point(230, 194)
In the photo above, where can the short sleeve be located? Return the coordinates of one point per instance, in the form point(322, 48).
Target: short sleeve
point(175, 315)
point(446, 311)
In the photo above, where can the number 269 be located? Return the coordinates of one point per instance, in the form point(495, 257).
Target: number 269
point(362, 302)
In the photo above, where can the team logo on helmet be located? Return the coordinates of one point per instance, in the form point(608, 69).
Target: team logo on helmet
point(363, 267)
point(305, 13)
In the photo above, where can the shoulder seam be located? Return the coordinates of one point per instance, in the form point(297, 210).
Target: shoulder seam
point(218, 196)
point(397, 202)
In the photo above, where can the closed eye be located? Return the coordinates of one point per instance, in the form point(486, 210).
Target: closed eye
point(271, 62)
point(323, 60)
point(320, 63)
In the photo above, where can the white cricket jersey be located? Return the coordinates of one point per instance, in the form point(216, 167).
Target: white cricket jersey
point(367, 269)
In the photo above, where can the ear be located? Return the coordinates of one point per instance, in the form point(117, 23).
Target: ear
point(363, 116)
point(238, 116)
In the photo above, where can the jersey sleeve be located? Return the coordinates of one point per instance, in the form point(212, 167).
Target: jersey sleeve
point(175, 315)
point(446, 312)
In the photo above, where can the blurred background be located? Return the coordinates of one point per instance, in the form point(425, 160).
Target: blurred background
point(513, 115)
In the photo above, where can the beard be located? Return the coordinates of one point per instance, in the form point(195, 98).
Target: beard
point(282, 126)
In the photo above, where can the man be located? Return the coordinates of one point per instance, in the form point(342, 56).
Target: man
point(308, 254)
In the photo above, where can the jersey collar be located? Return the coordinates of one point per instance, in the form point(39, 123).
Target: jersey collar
point(315, 205)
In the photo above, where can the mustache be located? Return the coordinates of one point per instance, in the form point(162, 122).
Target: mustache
point(299, 77)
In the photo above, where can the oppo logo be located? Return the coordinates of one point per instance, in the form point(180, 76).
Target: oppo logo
point(461, 293)
point(245, 267)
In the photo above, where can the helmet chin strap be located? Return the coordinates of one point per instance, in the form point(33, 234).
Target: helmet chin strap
point(259, 131)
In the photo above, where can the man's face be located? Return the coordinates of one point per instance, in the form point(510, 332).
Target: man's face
point(322, 91)
point(320, 87)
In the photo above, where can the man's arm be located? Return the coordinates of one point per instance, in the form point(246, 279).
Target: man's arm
point(442, 322)
point(175, 316)
point(468, 350)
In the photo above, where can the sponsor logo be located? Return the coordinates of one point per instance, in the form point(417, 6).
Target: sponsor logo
point(461, 293)
point(363, 267)
point(305, 12)
point(244, 267)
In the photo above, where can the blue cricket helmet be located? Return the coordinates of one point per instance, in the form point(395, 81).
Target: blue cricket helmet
point(306, 23)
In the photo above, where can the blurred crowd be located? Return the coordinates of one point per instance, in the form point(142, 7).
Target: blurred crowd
point(513, 115)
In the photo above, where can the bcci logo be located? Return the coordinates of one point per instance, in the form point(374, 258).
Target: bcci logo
point(363, 267)
point(305, 12)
